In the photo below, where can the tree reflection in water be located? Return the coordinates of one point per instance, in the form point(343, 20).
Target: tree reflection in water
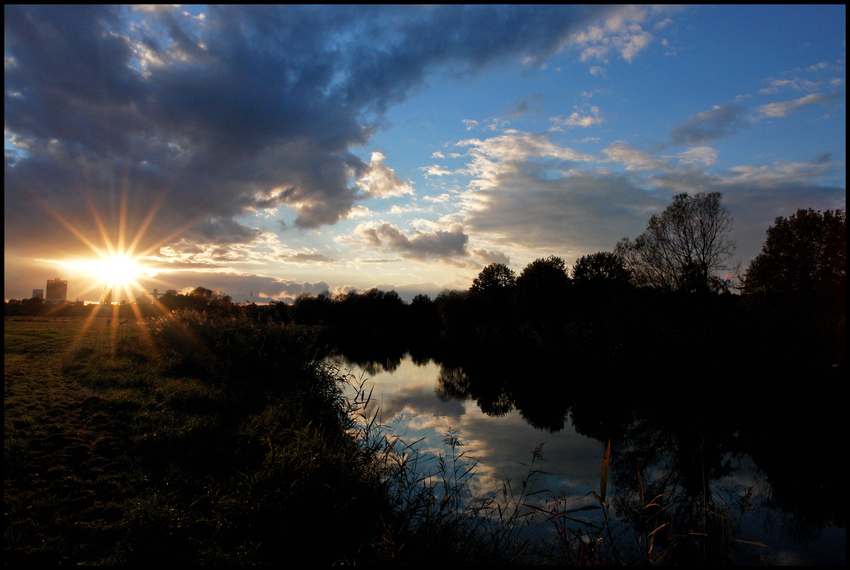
point(708, 453)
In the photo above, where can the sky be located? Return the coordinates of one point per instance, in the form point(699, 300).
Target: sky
point(271, 151)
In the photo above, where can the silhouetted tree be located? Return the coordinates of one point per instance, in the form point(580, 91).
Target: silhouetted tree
point(494, 277)
point(798, 283)
point(544, 277)
point(311, 310)
point(424, 318)
point(491, 299)
point(804, 255)
point(202, 293)
point(456, 317)
point(684, 247)
point(542, 289)
point(599, 268)
point(279, 312)
point(170, 300)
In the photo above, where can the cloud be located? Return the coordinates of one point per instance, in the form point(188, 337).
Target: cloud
point(215, 117)
point(663, 24)
point(444, 245)
point(439, 199)
point(725, 120)
point(798, 84)
point(420, 400)
point(524, 104)
point(380, 181)
point(567, 216)
point(516, 207)
point(632, 158)
point(700, 155)
point(783, 108)
point(527, 198)
point(781, 172)
point(238, 284)
point(501, 153)
point(576, 120)
point(718, 122)
point(306, 258)
point(620, 32)
point(435, 170)
point(222, 231)
point(487, 256)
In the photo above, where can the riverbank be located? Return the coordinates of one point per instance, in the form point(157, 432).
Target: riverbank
point(119, 451)
point(196, 441)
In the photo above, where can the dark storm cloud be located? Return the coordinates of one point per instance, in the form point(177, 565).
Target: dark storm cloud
point(223, 232)
point(244, 109)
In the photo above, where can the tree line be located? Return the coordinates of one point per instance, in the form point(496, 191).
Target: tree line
point(671, 286)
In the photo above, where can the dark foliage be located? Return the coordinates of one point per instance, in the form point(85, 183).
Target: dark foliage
point(797, 285)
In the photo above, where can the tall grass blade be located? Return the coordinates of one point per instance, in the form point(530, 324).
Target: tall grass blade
point(640, 488)
point(603, 478)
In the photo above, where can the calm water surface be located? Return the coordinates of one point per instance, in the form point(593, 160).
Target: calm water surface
point(502, 421)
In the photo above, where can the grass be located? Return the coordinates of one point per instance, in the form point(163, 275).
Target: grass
point(158, 443)
point(195, 440)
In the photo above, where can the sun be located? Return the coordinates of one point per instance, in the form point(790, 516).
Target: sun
point(117, 274)
point(115, 270)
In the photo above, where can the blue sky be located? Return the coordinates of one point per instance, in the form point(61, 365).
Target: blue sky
point(272, 151)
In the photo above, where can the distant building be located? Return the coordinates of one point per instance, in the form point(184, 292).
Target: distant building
point(57, 290)
point(106, 296)
point(144, 298)
point(38, 294)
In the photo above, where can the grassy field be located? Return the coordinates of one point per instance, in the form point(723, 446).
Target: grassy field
point(126, 445)
point(66, 470)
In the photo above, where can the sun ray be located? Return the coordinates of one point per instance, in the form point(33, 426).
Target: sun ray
point(143, 228)
point(122, 220)
point(116, 266)
point(104, 235)
point(69, 226)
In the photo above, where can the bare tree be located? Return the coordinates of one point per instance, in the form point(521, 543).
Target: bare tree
point(684, 248)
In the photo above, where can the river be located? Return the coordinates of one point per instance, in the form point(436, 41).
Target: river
point(708, 469)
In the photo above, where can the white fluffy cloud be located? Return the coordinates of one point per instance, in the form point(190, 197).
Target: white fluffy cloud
point(381, 181)
point(434, 170)
point(576, 120)
point(620, 33)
